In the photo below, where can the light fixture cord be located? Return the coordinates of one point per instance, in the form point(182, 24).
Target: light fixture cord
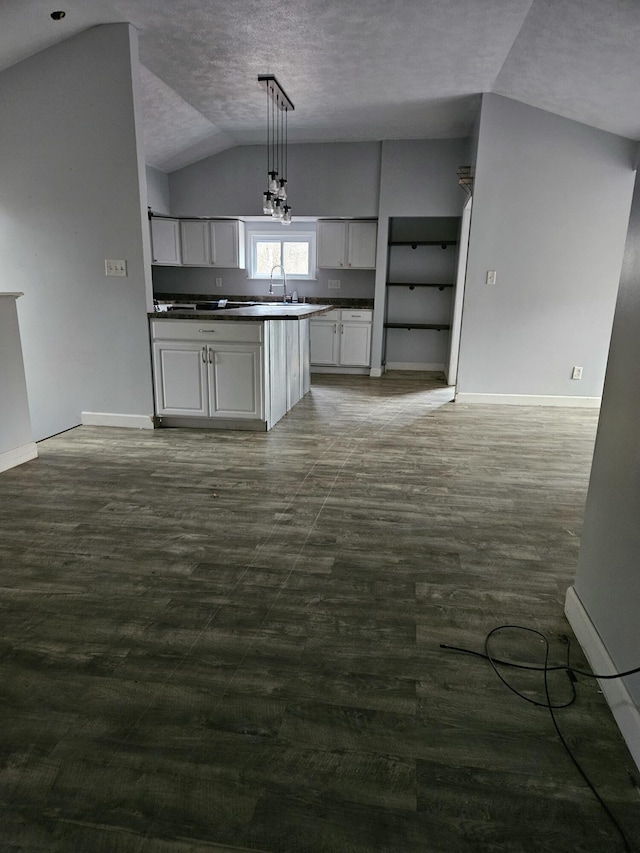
point(268, 140)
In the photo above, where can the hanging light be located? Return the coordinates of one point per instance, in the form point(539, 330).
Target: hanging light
point(274, 198)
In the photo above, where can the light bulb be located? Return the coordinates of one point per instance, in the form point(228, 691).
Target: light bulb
point(267, 203)
point(282, 192)
point(286, 218)
point(273, 183)
point(278, 212)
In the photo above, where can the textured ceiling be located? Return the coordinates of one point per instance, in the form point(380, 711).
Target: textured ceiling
point(357, 70)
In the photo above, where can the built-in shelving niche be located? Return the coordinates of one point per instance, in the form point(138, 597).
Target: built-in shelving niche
point(421, 270)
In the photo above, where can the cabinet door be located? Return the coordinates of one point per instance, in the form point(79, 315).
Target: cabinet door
point(235, 381)
point(165, 241)
point(180, 378)
point(361, 243)
point(194, 235)
point(324, 342)
point(355, 344)
point(227, 243)
point(332, 244)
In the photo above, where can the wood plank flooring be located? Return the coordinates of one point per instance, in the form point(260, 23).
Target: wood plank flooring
point(229, 641)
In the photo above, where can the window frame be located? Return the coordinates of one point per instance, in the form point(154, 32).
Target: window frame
point(261, 236)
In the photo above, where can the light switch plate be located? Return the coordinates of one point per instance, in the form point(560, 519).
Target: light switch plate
point(334, 284)
point(491, 276)
point(114, 267)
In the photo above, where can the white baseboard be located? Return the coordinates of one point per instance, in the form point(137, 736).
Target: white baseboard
point(328, 368)
point(530, 400)
point(18, 455)
point(376, 372)
point(414, 365)
point(626, 713)
point(114, 420)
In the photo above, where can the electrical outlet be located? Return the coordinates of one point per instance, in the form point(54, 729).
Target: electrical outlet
point(334, 284)
point(113, 267)
point(218, 282)
point(491, 276)
point(576, 373)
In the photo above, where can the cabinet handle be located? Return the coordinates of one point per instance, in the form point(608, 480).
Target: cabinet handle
point(210, 356)
point(204, 355)
point(335, 328)
point(206, 330)
point(342, 330)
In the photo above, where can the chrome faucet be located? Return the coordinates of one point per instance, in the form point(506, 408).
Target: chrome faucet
point(282, 284)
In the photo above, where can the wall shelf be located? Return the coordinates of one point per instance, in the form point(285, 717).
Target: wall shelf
point(437, 326)
point(415, 243)
point(413, 284)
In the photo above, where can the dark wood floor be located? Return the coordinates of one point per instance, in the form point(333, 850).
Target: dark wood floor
point(223, 641)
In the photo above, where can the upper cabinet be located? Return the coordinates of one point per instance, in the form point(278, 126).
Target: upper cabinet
point(198, 242)
point(347, 244)
point(227, 243)
point(165, 241)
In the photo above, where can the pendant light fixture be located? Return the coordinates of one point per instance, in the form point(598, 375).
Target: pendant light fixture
point(274, 198)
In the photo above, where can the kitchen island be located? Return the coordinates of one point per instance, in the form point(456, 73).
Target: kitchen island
point(240, 367)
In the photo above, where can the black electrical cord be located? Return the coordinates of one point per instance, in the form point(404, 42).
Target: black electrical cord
point(546, 669)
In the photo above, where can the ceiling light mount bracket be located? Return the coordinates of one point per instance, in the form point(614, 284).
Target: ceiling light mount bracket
point(276, 92)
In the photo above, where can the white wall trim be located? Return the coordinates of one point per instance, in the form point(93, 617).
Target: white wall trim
point(329, 368)
point(18, 455)
point(414, 365)
point(626, 713)
point(376, 372)
point(114, 420)
point(530, 400)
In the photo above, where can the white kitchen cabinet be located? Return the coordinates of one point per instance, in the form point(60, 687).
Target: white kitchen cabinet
point(208, 380)
point(180, 377)
point(347, 244)
point(227, 240)
point(342, 338)
point(208, 369)
point(325, 339)
point(235, 385)
point(198, 242)
point(355, 344)
point(165, 241)
point(361, 244)
point(228, 374)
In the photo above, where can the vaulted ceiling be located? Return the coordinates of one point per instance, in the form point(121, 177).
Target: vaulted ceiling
point(356, 70)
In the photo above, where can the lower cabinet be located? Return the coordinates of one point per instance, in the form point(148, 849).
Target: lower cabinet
point(341, 338)
point(212, 380)
point(228, 375)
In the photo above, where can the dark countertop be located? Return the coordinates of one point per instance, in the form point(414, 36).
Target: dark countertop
point(278, 311)
point(336, 302)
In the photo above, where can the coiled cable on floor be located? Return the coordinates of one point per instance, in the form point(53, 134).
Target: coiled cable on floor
point(551, 707)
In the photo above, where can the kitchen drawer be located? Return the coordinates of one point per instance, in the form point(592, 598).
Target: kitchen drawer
point(364, 316)
point(206, 330)
point(332, 316)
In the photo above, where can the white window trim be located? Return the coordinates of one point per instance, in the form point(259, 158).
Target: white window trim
point(253, 236)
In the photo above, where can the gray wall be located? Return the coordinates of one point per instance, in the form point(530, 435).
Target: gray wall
point(550, 212)
point(337, 179)
point(608, 577)
point(354, 284)
point(158, 190)
point(15, 422)
point(72, 192)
